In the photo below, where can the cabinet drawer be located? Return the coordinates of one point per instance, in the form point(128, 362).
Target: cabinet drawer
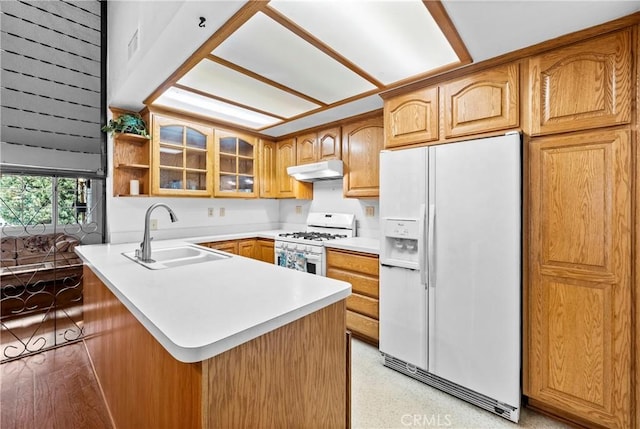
point(360, 283)
point(362, 325)
point(363, 304)
point(353, 262)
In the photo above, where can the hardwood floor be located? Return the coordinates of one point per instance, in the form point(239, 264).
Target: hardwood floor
point(55, 389)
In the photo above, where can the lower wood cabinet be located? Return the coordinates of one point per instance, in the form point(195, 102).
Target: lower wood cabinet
point(295, 376)
point(261, 249)
point(229, 246)
point(265, 250)
point(578, 300)
point(362, 271)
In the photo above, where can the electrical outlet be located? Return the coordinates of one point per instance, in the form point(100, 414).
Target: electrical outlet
point(153, 224)
point(211, 211)
point(221, 211)
point(369, 211)
point(298, 209)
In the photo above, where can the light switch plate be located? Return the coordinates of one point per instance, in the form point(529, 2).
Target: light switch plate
point(153, 224)
point(369, 211)
point(221, 211)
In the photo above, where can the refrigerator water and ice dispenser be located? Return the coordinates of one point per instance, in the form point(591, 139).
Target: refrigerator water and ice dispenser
point(401, 243)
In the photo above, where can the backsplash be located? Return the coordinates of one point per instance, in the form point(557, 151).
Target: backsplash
point(230, 215)
point(327, 197)
point(126, 215)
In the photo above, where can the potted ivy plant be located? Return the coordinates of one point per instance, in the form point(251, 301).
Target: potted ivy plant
point(127, 123)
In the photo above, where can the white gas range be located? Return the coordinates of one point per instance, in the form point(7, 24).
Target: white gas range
point(304, 251)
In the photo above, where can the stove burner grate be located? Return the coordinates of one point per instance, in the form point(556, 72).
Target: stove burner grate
point(314, 236)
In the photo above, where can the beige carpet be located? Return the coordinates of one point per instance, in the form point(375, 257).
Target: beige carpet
point(384, 398)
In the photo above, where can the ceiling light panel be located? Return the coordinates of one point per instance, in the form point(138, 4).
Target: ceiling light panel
point(391, 40)
point(267, 48)
point(216, 79)
point(176, 98)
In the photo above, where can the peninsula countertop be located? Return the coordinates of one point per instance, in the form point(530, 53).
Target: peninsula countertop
point(201, 310)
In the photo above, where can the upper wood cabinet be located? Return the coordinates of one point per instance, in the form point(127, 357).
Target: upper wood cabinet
point(362, 142)
point(318, 146)
point(267, 159)
point(411, 118)
point(286, 186)
point(482, 102)
point(578, 299)
point(329, 144)
point(586, 85)
point(181, 157)
point(306, 148)
point(131, 161)
point(235, 166)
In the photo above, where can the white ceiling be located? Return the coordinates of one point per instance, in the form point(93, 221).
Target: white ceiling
point(487, 28)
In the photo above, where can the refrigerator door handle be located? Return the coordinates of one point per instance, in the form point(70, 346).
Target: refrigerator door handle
point(430, 249)
point(421, 244)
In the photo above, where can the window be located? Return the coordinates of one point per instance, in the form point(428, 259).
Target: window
point(28, 201)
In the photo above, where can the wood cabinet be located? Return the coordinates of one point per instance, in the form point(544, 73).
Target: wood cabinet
point(411, 118)
point(362, 271)
point(292, 376)
point(247, 248)
point(287, 186)
point(362, 142)
point(582, 86)
point(131, 161)
point(482, 102)
point(235, 165)
point(318, 146)
point(264, 250)
point(578, 300)
point(268, 180)
point(181, 157)
point(229, 246)
point(261, 249)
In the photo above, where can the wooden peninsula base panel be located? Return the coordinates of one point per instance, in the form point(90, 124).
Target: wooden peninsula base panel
point(294, 376)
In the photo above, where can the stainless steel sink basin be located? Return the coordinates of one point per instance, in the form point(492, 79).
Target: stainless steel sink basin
point(178, 256)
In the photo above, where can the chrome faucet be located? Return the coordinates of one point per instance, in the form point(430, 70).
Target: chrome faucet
point(144, 252)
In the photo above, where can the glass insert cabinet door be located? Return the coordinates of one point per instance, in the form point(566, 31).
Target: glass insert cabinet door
point(236, 164)
point(182, 155)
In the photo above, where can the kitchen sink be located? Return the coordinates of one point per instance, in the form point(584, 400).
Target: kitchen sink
point(177, 257)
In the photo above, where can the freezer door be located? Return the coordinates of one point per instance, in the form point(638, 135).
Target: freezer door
point(403, 315)
point(403, 182)
point(475, 283)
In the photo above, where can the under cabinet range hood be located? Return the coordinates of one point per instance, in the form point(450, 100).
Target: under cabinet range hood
point(324, 170)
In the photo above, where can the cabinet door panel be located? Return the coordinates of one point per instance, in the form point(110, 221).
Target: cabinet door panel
point(265, 250)
point(586, 85)
point(483, 102)
point(268, 185)
point(411, 118)
point(329, 144)
point(247, 248)
point(579, 297)
point(362, 142)
point(306, 149)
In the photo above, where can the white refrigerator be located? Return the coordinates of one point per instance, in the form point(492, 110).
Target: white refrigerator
point(450, 275)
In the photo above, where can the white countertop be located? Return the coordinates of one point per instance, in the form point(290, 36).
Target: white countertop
point(356, 244)
point(201, 310)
